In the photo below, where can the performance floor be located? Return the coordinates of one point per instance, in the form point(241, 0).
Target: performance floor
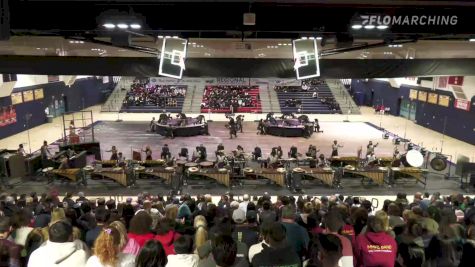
point(133, 135)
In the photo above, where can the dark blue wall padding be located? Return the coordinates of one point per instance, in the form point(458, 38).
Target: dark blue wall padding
point(459, 124)
point(82, 94)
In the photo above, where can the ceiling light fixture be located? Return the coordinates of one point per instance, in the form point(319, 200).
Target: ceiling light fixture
point(369, 27)
point(160, 36)
point(109, 26)
point(382, 27)
point(135, 26)
point(319, 38)
point(356, 26)
point(122, 26)
point(471, 40)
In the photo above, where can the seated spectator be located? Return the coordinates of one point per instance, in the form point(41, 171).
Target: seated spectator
point(245, 231)
point(375, 247)
point(140, 228)
point(279, 252)
point(9, 251)
point(33, 241)
point(333, 225)
point(297, 236)
point(330, 250)
point(151, 255)
point(102, 216)
point(201, 233)
point(257, 248)
point(59, 250)
point(107, 251)
point(267, 214)
point(225, 252)
point(166, 234)
point(20, 223)
point(184, 253)
point(129, 245)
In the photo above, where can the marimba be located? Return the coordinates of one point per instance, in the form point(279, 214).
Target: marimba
point(163, 173)
point(71, 174)
point(377, 175)
point(338, 161)
point(117, 174)
point(272, 174)
point(325, 175)
point(219, 175)
point(417, 173)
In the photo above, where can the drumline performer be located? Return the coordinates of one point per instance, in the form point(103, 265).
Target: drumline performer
point(370, 148)
point(335, 147)
point(148, 153)
point(114, 152)
point(232, 128)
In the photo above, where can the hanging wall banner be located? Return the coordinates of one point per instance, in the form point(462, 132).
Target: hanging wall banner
point(422, 96)
point(444, 100)
point(462, 104)
point(432, 98)
point(413, 94)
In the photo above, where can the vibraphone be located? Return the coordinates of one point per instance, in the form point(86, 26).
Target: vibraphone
point(376, 175)
point(326, 176)
point(71, 174)
point(417, 173)
point(339, 161)
point(117, 174)
point(164, 173)
point(276, 176)
point(220, 176)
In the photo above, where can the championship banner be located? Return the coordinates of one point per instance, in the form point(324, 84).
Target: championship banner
point(442, 82)
point(432, 98)
point(444, 100)
point(455, 80)
point(412, 94)
point(462, 104)
point(422, 96)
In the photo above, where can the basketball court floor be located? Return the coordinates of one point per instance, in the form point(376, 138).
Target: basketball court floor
point(132, 134)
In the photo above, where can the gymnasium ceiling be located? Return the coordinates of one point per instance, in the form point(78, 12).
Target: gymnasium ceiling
point(49, 32)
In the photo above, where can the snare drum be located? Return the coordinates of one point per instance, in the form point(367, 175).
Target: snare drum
point(191, 164)
point(181, 162)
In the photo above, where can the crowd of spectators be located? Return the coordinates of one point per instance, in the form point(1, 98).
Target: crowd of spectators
point(310, 89)
point(227, 96)
point(143, 93)
point(47, 230)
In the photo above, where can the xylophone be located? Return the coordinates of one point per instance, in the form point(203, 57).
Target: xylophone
point(117, 174)
point(325, 175)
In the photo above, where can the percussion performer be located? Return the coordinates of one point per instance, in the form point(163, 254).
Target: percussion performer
point(120, 160)
point(335, 147)
point(261, 127)
point(257, 153)
point(371, 159)
point(165, 152)
point(220, 148)
point(220, 159)
point(280, 153)
point(317, 126)
point(148, 153)
point(312, 151)
point(21, 150)
point(273, 159)
point(232, 128)
point(45, 154)
point(396, 154)
point(203, 154)
point(64, 163)
point(183, 153)
point(152, 124)
point(71, 128)
point(239, 120)
point(293, 152)
point(322, 161)
point(196, 155)
point(370, 147)
point(70, 153)
point(114, 155)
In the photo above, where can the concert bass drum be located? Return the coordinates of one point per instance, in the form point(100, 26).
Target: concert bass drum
point(412, 158)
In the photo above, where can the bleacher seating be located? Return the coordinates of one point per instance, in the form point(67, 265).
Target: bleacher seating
point(219, 99)
point(144, 97)
point(301, 98)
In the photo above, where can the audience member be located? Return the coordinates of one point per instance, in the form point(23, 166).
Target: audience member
point(151, 255)
point(108, 251)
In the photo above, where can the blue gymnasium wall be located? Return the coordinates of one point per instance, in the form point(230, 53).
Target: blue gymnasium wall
point(83, 93)
point(460, 124)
